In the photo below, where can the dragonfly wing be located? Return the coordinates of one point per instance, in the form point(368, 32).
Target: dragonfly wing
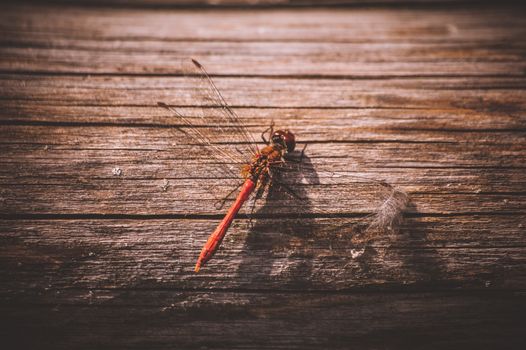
point(215, 141)
point(205, 122)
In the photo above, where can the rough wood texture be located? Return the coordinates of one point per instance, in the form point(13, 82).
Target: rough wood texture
point(429, 99)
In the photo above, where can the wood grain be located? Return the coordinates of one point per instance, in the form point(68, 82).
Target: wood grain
point(159, 319)
point(302, 254)
point(479, 94)
point(156, 57)
point(307, 25)
point(69, 170)
point(429, 99)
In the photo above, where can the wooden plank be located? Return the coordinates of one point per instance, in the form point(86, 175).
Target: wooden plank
point(400, 123)
point(480, 94)
point(88, 56)
point(200, 198)
point(469, 24)
point(164, 319)
point(69, 170)
point(342, 133)
point(468, 252)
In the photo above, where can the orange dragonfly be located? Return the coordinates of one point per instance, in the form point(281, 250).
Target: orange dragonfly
point(259, 169)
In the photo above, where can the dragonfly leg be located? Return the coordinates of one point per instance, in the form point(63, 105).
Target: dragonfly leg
point(251, 216)
point(221, 203)
point(270, 131)
point(257, 196)
point(302, 155)
point(280, 183)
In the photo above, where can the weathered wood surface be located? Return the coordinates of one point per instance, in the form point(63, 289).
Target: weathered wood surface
point(371, 43)
point(256, 3)
point(309, 254)
point(164, 319)
point(431, 100)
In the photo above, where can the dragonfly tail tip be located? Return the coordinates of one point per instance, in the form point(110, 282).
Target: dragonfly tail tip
point(197, 267)
point(197, 64)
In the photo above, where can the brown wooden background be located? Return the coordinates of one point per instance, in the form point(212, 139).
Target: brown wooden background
point(430, 98)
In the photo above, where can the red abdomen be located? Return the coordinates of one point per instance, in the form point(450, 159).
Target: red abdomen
point(213, 242)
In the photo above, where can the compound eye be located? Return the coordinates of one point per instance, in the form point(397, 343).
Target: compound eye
point(284, 138)
point(290, 140)
point(277, 138)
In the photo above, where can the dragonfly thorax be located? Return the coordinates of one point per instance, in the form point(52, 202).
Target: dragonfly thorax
point(260, 164)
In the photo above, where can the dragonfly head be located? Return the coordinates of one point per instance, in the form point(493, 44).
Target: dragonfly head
point(284, 138)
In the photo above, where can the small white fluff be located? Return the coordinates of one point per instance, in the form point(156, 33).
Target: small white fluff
point(390, 214)
point(116, 171)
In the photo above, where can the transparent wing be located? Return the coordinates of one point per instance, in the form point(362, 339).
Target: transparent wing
point(206, 123)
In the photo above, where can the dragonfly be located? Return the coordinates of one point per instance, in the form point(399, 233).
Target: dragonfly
point(259, 169)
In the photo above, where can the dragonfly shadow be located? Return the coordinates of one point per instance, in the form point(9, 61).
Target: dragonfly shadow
point(290, 246)
point(420, 259)
point(277, 246)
